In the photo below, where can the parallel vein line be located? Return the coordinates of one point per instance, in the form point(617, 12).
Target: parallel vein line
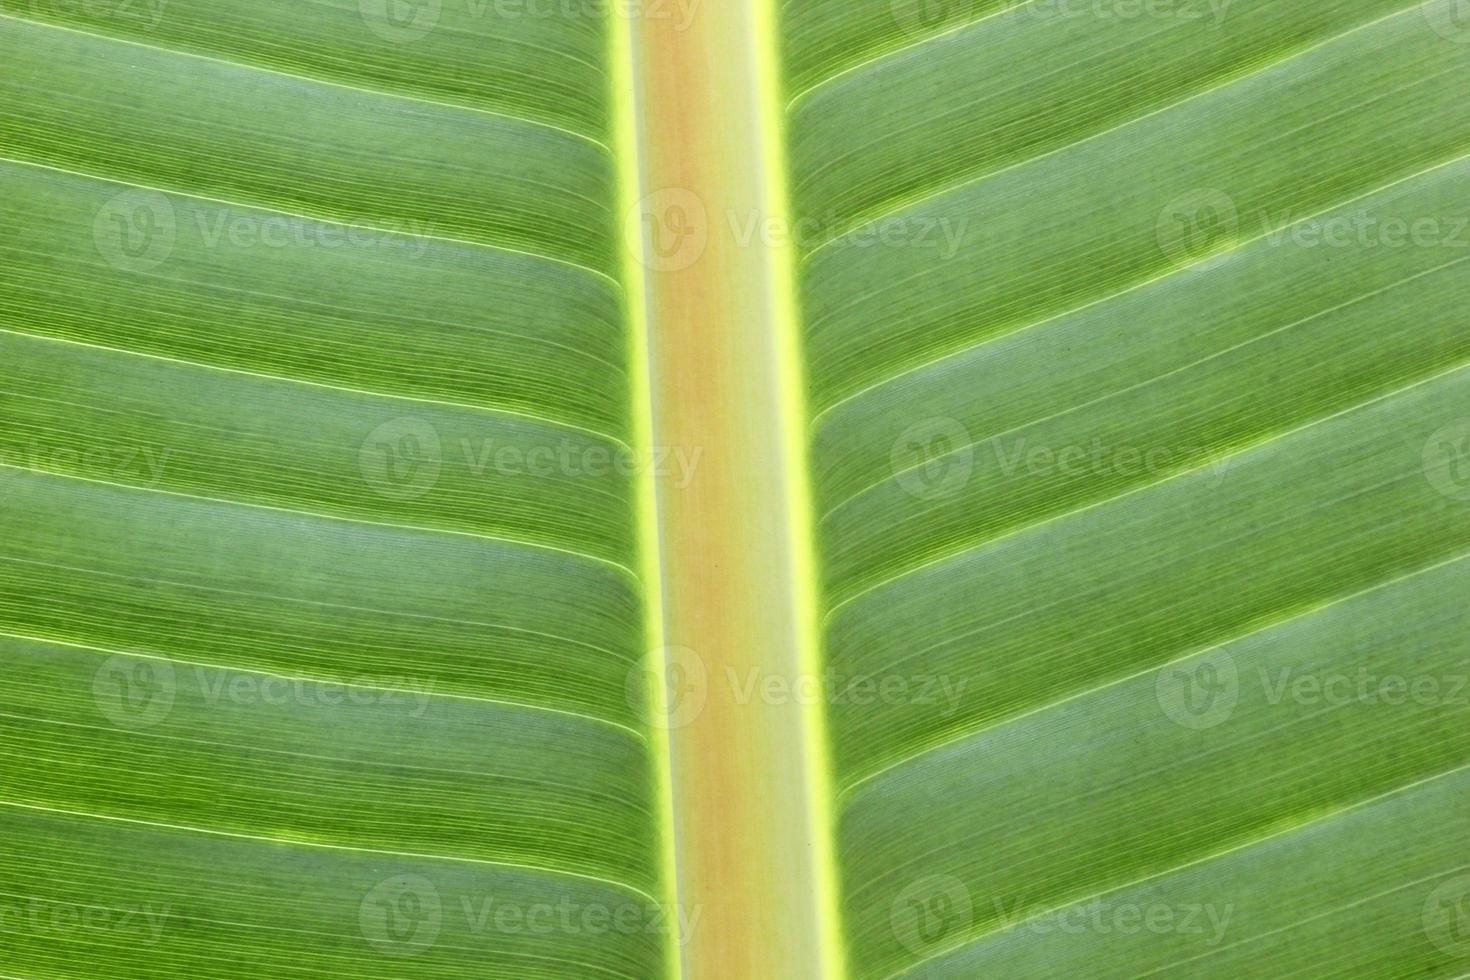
point(999, 95)
point(1212, 546)
point(335, 761)
point(1364, 297)
point(1304, 921)
point(892, 52)
point(289, 842)
point(1175, 869)
point(317, 603)
point(439, 944)
point(218, 430)
point(332, 312)
point(1265, 627)
point(286, 379)
point(302, 679)
point(1215, 460)
point(312, 80)
point(1135, 778)
point(1234, 79)
point(346, 519)
point(1172, 273)
point(320, 219)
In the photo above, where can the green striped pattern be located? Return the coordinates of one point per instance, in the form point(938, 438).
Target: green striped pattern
point(317, 598)
point(1139, 368)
